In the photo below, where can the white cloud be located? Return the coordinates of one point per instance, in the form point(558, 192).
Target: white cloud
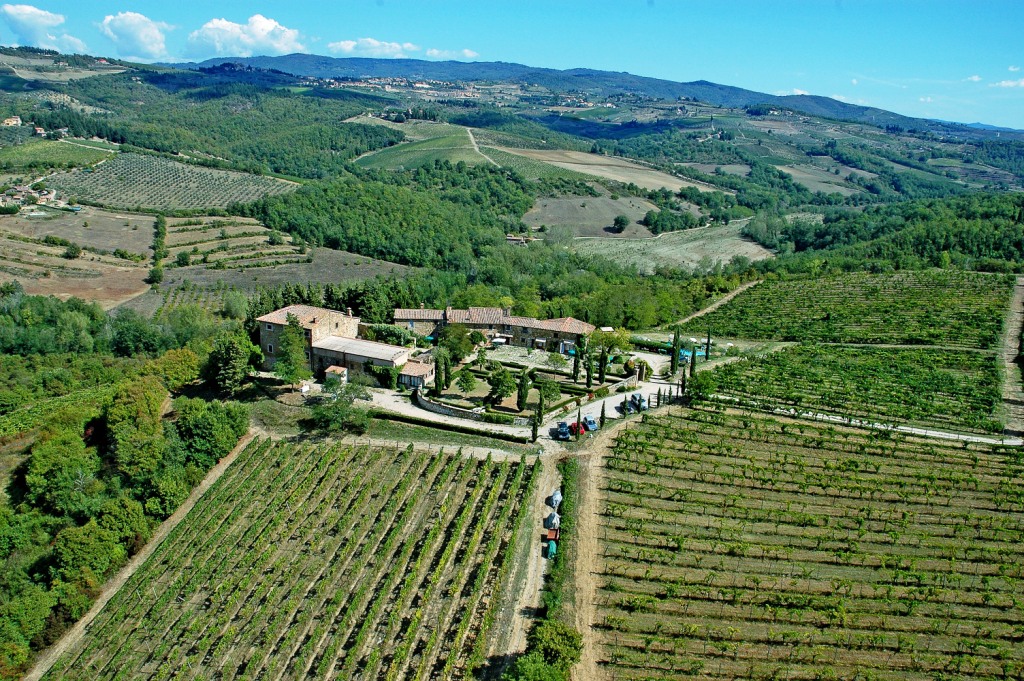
point(137, 36)
point(371, 47)
point(853, 82)
point(839, 98)
point(926, 100)
point(798, 91)
point(34, 27)
point(1013, 68)
point(1009, 83)
point(434, 53)
point(259, 35)
point(973, 79)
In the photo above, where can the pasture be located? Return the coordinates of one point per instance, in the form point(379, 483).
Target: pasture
point(328, 561)
point(608, 167)
point(741, 546)
point(155, 183)
point(591, 215)
point(95, 275)
point(818, 179)
point(687, 249)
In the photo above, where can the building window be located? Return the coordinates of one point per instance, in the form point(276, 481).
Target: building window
point(270, 327)
point(270, 349)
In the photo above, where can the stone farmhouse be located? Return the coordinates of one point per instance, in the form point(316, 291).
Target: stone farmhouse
point(333, 344)
point(499, 325)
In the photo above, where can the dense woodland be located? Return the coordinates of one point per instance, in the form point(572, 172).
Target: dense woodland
point(111, 454)
point(974, 232)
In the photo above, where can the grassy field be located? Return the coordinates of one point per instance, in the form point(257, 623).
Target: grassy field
point(744, 547)
point(932, 307)
point(42, 153)
point(96, 275)
point(591, 215)
point(532, 169)
point(687, 249)
point(919, 386)
point(332, 561)
point(150, 182)
point(817, 179)
point(607, 167)
point(453, 146)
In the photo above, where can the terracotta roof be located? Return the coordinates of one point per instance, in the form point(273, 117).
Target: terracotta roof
point(564, 325)
point(418, 314)
point(416, 369)
point(478, 315)
point(306, 314)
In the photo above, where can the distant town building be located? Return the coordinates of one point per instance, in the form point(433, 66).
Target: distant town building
point(12, 121)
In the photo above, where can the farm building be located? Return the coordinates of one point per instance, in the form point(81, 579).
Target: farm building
point(499, 325)
point(331, 338)
point(416, 374)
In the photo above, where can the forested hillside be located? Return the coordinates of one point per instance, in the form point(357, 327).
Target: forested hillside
point(84, 405)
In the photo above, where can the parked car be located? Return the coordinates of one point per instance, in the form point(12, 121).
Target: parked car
point(638, 401)
point(562, 431)
point(590, 422)
point(576, 428)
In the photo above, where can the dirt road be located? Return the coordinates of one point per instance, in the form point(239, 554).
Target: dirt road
point(719, 303)
point(1013, 394)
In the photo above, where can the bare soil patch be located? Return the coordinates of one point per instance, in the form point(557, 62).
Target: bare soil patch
point(608, 167)
point(94, 227)
point(687, 249)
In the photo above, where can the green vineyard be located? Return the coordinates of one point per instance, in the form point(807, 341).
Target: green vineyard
point(151, 182)
point(320, 562)
point(938, 307)
point(936, 388)
point(749, 547)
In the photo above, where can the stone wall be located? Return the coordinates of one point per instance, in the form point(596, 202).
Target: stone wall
point(424, 402)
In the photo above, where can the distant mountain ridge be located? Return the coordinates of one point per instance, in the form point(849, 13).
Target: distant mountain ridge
point(597, 82)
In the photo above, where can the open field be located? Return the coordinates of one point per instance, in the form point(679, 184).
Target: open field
point(91, 227)
point(40, 153)
point(917, 386)
point(932, 307)
point(454, 146)
point(332, 561)
point(151, 182)
point(235, 243)
point(607, 167)
point(686, 249)
point(739, 546)
point(42, 269)
point(591, 215)
point(817, 179)
point(530, 168)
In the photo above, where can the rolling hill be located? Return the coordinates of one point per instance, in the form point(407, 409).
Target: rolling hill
point(597, 82)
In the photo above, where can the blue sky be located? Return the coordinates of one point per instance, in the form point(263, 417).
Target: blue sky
point(945, 59)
